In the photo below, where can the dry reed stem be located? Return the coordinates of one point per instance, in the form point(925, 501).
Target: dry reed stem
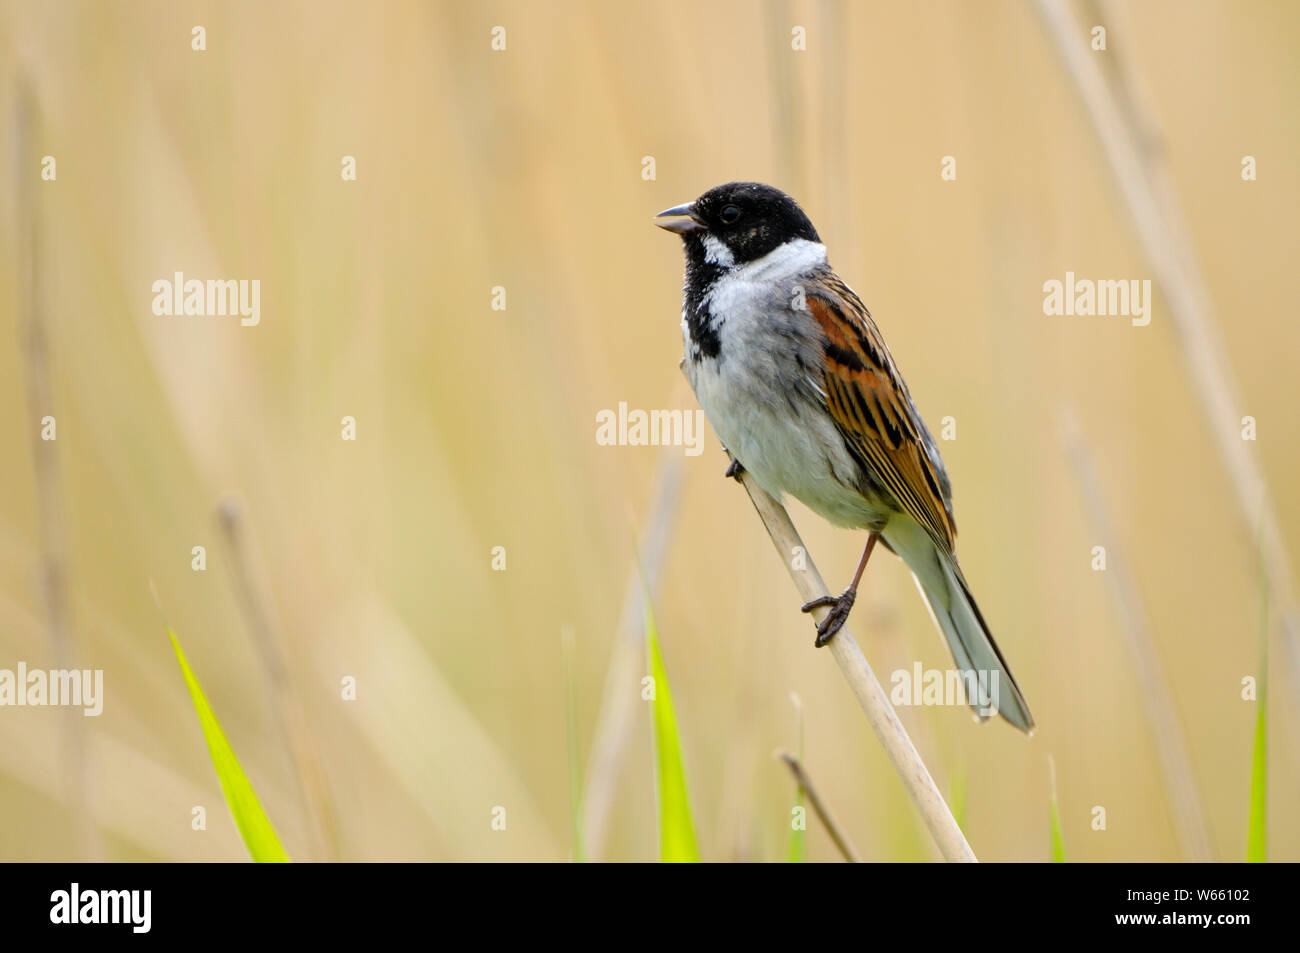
point(53, 571)
point(1170, 740)
point(875, 703)
point(619, 703)
point(823, 811)
point(1130, 139)
point(309, 773)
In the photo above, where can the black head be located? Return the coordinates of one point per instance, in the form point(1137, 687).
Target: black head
point(748, 218)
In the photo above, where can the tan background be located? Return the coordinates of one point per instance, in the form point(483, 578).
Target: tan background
point(477, 427)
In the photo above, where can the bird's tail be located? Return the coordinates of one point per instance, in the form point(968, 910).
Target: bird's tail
point(990, 686)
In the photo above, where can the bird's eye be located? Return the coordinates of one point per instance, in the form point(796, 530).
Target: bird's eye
point(729, 215)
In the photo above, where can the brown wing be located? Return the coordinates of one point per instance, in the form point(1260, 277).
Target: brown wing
point(869, 402)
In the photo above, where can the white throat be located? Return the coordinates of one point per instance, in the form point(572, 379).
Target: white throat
point(717, 253)
point(743, 294)
point(795, 257)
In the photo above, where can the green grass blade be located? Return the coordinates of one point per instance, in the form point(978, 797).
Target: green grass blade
point(254, 827)
point(676, 830)
point(957, 797)
point(1257, 835)
point(1058, 838)
point(798, 844)
point(1257, 828)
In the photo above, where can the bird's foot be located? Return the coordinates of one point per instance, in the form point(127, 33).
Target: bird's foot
point(835, 619)
point(734, 470)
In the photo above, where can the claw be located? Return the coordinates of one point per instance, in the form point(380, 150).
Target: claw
point(840, 605)
point(734, 470)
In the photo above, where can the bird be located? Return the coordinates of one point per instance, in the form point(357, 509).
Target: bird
point(798, 383)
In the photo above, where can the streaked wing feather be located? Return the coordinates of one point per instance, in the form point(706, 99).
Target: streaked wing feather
point(870, 404)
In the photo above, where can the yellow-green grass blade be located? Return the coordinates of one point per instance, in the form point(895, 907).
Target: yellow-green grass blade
point(957, 797)
point(798, 846)
point(1054, 811)
point(1257, 827)
point(1257, 833)
point(254, 826)
point(1058, 839)
point(676, 830)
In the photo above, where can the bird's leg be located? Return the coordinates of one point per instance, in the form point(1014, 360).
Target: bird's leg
point(734, 470)
point(841, 604)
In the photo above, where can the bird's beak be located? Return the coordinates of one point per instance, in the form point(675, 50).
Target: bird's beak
point(680, 219)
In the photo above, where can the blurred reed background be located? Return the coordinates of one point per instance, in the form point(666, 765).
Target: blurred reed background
point(476, 428)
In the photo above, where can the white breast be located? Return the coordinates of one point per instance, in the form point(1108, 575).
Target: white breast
point(762, 393)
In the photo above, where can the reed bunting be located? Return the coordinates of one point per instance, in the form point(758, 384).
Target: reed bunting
point(797, 381)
